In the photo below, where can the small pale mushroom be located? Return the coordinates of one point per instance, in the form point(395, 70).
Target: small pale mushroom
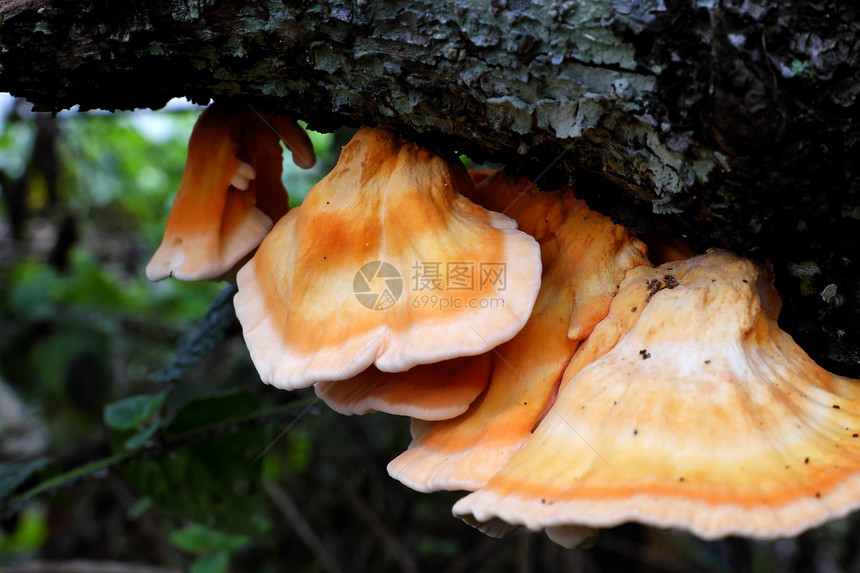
point(705, 416)
point(231, 192)
point(435, 391)
point(386, 263)
point(585, 256)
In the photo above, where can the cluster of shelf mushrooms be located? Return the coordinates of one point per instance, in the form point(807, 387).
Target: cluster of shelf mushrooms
point(550, 369)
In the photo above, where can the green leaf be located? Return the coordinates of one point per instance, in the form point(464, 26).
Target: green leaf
point(213, 563)
point(140, 507)
point(142, 437)
point(29, 534)
point(196, 538)
point(300, 450)
point(212, 482)
point(31, 290)
point(212, 409)
point(133, 411)
point(14, 474)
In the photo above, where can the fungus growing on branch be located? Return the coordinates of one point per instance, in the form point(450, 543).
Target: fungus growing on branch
point(385, 263)
point(585, 257)
point(435, 391)
point(231, 192)
point(705, 416)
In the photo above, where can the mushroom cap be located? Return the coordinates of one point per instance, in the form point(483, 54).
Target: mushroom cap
point(385, 263)
point(539, 213)
point(705, 416)
point(587, 258)
point(231, 192)
point(435, 391)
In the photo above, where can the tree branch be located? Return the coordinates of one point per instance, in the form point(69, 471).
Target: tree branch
point(303, 529)
point(732, 125)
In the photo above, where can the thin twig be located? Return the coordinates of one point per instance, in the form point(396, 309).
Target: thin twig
point(287, 428)
point(469, 561)
point(300, 525)
point(83, 566)
point(407, 563)
point(156, 450)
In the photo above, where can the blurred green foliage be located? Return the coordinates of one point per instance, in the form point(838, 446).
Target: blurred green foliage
point(80, 323)
point(28, 536)
point(83, 330)
point(156, 454)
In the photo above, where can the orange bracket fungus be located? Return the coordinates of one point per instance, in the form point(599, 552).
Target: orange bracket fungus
point(386, 263)
point(231, 192)
point(435, 391)
point(585, 257)
point(704, 416)
point(548, 367)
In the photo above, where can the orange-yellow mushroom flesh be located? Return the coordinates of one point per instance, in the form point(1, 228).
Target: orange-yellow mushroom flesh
point(385, 263)
point(231, 192)
point(435, 391)
point(705, 416)
point(585, 256)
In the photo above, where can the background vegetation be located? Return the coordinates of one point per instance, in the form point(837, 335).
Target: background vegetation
point(134, 429)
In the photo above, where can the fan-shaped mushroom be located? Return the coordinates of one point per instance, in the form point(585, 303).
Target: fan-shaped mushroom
point(384, 263)
point(435, 391)
point(231, 192)
point(704, 416)
point(585, 257)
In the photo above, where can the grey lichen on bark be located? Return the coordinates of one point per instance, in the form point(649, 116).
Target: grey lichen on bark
point(731, 124)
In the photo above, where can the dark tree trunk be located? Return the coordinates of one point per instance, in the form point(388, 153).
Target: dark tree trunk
point(732, 123)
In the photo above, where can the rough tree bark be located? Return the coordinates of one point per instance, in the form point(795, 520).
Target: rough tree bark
point(732, 123)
